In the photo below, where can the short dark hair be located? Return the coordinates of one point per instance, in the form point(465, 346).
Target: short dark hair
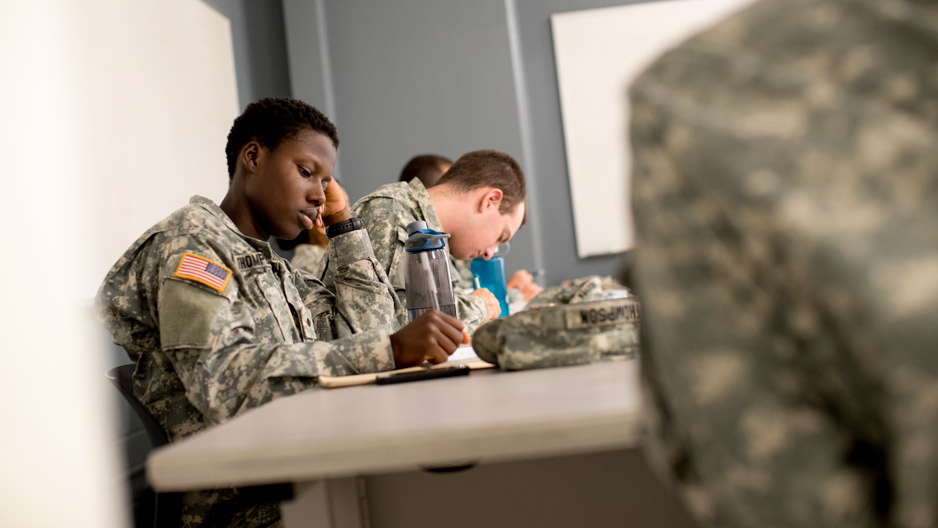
point(489, 168)
point(428, 168)
point(269, 121)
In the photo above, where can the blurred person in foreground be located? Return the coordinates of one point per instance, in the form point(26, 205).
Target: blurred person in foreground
point(786, 182)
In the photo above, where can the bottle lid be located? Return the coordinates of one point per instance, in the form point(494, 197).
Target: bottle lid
point(422, 238)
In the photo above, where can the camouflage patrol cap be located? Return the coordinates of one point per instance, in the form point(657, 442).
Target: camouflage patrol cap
point(583, 289)
point(559, 335)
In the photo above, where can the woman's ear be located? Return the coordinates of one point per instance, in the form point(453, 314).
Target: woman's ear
point(249, 155)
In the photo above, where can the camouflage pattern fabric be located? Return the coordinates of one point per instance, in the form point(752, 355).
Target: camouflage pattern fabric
point(562, 335)
point(309, 258)
point(785, 191)
point(386, 213)
point(462, 273)
point(584, 289)
point(207, 350)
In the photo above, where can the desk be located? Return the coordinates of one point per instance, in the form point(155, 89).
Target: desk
point(330, 434)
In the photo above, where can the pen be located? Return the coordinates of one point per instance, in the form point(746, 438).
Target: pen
point(403, 377)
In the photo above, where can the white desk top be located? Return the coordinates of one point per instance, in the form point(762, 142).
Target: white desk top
point(488, 415)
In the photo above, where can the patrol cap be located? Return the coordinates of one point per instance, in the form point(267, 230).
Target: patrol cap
point(559, 335)
point(583, 289)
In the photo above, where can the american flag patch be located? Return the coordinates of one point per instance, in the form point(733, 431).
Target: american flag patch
point(200, 269)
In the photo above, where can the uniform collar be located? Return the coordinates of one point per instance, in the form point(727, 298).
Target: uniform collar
point(216, 211)
point(425, 204)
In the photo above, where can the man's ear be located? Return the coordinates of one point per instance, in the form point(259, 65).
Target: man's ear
point(250, 153)
point(492, 197)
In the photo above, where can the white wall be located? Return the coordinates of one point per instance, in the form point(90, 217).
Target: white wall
point(104, 130)
point(161, 96)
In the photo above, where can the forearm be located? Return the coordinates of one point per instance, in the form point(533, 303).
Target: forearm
point(364, 298)
point(224, 381)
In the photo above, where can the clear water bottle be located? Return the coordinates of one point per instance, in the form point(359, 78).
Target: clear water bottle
point(427, 276)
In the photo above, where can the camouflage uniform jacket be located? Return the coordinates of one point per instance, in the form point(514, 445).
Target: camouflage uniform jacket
point(386, 214)
point(207, 350)
point(785, 191)
point(462, 273)
point(309, 258)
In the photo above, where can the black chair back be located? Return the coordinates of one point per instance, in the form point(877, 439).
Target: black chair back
point(168, 506)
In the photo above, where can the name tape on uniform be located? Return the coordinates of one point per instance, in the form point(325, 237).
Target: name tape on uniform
point(248, 261)
point(609, 314)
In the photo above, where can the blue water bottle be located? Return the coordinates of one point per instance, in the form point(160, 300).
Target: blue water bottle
point(491, 274)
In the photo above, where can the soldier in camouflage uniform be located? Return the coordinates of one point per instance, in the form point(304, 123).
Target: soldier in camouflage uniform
point(786, 182)
point(217, 323)
point(480, 202)
point(429, 168)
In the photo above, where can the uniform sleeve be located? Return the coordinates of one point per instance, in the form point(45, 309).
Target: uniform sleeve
point(462, 273)
point(471, 311)
point(384, 220)
point(227, 362)
point(362, 299)
point(310, 258)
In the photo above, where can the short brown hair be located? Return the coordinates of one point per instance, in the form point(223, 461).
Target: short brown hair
point(428, 168)
point(489, 168)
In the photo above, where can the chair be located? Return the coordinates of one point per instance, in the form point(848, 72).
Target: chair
point(168, 506)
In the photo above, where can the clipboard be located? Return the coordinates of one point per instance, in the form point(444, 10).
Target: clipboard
point(334, 382)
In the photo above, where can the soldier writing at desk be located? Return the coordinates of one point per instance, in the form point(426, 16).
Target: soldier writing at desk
point(217, 323)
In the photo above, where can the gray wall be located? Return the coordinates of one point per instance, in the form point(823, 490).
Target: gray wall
point(405, 77)
point(260, 48)
point(548, 155)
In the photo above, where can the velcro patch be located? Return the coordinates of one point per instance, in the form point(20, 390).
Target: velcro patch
point(612, 314)
point(203, 270)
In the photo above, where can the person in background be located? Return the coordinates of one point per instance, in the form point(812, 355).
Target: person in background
point(785, 182)
point(428, 168)
point(218, 324)
point(480, 202)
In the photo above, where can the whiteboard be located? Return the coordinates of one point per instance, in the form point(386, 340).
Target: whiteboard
point(598, 53)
